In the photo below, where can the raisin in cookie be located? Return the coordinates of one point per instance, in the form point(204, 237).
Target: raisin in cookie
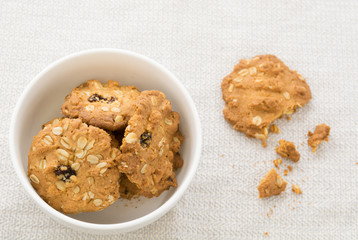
point(259, 91)
point(150, 142)
point(71, 165)
point(105, 105)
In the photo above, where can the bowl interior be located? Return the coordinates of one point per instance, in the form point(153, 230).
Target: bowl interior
point(45, 95)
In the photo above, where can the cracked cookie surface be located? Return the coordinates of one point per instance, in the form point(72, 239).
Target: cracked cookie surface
point(259, 91)
point(71, 165)
point(105, 105)
point(151, 141)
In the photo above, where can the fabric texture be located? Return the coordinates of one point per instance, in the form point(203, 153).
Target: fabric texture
point(200, 42)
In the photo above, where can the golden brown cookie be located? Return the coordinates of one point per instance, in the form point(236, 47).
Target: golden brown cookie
point(259, 91)
point(71, 165)
point(271, 184)
point(105, 105)
point(319, 135)
point(150, 142)
point(288, 150)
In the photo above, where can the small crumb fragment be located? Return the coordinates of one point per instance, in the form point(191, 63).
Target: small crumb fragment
point(277, 162)
point(319, 135)
point(222, 155)
point(266, 233)
point(289, 168)
point(274, 129)
point(296, 189)
point(271, 184)
point(285, 172)
point(288, 150)
point(288, 117)
point(233, 166)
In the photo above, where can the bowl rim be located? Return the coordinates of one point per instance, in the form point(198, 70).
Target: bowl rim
point(125, 226)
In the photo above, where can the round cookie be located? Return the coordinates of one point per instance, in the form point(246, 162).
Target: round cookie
point(259, 91)
point(105, 105)
point(71, 165)
point(150, 142)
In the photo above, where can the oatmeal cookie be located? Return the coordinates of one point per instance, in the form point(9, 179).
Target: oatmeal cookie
point(151, 140)
point(105, 105)
point(319, 135)
point(71, 165)
point(259, 91)
point(288, 150)
point(271, 184)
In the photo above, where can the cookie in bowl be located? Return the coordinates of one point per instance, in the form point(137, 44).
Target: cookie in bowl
point(72, 166)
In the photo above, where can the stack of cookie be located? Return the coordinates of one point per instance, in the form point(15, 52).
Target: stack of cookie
point(113, 142)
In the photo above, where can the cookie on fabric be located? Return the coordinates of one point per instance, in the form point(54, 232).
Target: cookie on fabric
point(271, 184)
point(105, 105)
point(72, 166)
point(288, 150)
point(151, 140)
point(259, 91)
point(319, 135)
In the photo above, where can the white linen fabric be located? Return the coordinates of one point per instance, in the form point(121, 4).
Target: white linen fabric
point(200, 42)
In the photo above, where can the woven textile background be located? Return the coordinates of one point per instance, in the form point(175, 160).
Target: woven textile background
point(200, 41)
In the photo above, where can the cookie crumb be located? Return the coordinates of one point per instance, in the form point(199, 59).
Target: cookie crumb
point(274, 129)
point(271, 184)
point(296, 189)
point(319, 135)
point(289, 168)
point(266, 233)
point(285, 172)
point(277, 162)
point(288, 150)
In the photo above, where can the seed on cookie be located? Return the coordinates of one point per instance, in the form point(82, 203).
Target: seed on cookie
point(65, 143)
point(47, 140)
point(92, 159)
point(118, 119)
point(144, 168)
point(101, 165)
point(60, 185)
point(34, 179)
point(89, 108)
point(42, 164)
point(90, 180)
point(75, 166)
point(97, 202)
point(80, 153)
point(110, 198)
point(286, 95)
point(257, 120)
point(91, 195)
point(81, 142)
point(115, 109)
point(106, 109)
point(131, 138)
point(76, 189)
point(57, 130)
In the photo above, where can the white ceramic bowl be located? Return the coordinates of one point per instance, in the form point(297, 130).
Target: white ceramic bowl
point(42, 99)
